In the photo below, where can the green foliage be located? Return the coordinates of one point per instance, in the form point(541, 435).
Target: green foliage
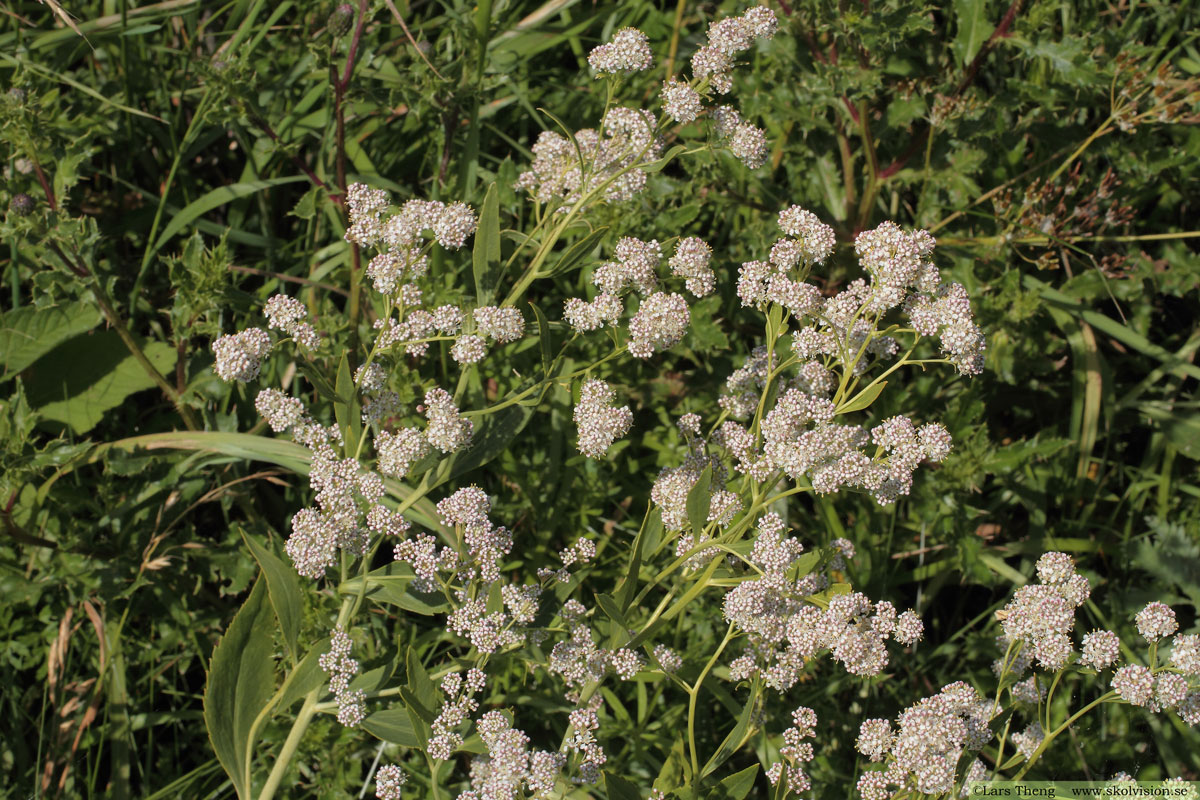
point(185, 162)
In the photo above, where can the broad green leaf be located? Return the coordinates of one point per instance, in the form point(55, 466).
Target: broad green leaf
point(420, 684)
point(698, 501)
point(28, 333)
point(618, 788)
point(863, 399)
point(84, 377)
point(306, 676)
point(576, 252)
point(973, 29)
point(243, 446)
point(215, 199)
point(485, 256)
point(544, 343)
point(392, 585)
point(241, 676)
point(734, 739)
point(736, 786)
point(393, 725)
point(283, 587)
point(491, 439)
point(612, 609)
point(676, 771)
point(668, 157)
point(346, 408)
point(319, 381)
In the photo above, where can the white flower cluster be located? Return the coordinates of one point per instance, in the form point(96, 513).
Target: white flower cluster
point(458, 706)
point(629, 51)
point(786, 630)
point(467, 510)
point(728, 37)
point(446, 430)
point(598, 422)
point(239, 356)
point(557, 174)
point(389, 781)
point(662, 318)
point(807, 242)
point(925, 749)
point(1042, 616)
point(509, 769)
point(341, 668)
point(797, 751)
point(403, 231)
point(289, 315)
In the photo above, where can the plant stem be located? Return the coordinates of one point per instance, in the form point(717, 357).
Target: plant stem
point(694, 694)
point(289, 745)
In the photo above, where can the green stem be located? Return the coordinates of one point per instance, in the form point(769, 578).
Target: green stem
point(289, 745)
point(1104, 698)
point(694, 694)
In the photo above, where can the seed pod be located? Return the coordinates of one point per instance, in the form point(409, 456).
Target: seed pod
point(21, 205)
point(340, 19)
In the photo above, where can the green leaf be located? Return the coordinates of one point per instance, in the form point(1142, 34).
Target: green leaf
point(246, 446)
point(346, 408)
point(392, 585)
point(283, 587)
point(306, 209)
point(491, 439)
point(973, 29)
point(485, 257)
point(576, 252)
point(215, 199)
point(612, 609)
point(83, 378)
point(618, 788)
point(698, 500)
point(544, 343)
point(241, 676)
point(734, 739)
point(668, 157)
point(736, 786)
point(393, 725)
point(319, 381)
point(863, 399)
point(420, 684)
point(1181, 429)
point(306, 676)
point(676, 771)
point(28, 333)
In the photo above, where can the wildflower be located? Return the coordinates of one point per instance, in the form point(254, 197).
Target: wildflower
point(599, 424)
point(388, 781)
point(658, 325)
point(875, 738)
point(583, 316)
point(1100, 649)
point(635, 266)
point(691, 259)
point(340, 667)
point(1155, 621)
point(680, 101)
point(400, 450)
point(447, 430)
point(1028, 740)
point(667, 658)
point(502, 324)
point(459, 704)
point(453, 225)
point(725, 121)
point(280, 411)
point(797, 751)
point(1185, 654)
point(814, 238)
point(749, 144)
point(240, 356)
point(468, 349)
point(1134, 684)
point(1170, 689)
point(629, 51)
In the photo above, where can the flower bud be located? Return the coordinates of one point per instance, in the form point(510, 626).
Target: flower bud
point(21, 205)
point(340, 20)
